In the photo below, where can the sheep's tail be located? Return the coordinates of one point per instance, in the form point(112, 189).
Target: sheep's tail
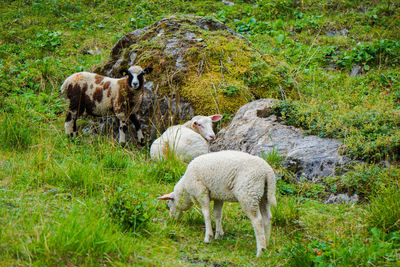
point(271, 187)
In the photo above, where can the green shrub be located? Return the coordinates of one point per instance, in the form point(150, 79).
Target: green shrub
point(365, 180)
point(384, 52)
point(129, 209)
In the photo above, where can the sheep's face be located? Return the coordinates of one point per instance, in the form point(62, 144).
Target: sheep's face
point(177, 204)
point(203, 125)
point(136, 76)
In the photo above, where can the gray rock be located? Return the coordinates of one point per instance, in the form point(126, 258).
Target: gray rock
point(228, 3)
point(173, 37)
point(94, 51)
point(356, 71)
point(256, 131)
point(115, 67)
point(343, 32)
point(52, 190)
point(179, 62)
point(342, 199)
point(132, 59)
point(190, 35)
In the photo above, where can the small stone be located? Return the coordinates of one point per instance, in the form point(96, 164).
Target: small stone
point(53, 190)
point(179, 62)
point(94, 51)
point(228, 3)
point(190, 35)
point(132, 59)
point(356, 71)
point(342, 199)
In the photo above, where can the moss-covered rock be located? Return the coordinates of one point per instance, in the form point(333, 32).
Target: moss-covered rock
point(200, 67)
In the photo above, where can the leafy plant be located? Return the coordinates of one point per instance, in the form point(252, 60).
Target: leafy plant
point(129, 209)
point(231, 89)
point(251, 26)
point(47, 40)
point(383, 52)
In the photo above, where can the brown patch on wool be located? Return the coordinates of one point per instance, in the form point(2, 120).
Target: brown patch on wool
point(123, 83)
point(106, 85)
point(109, 92)
point(98, 94)
point(76, 77)
point(89, 103)
point(98, 79)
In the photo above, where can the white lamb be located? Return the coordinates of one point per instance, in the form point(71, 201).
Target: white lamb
point(232, 176)
point(188, 140)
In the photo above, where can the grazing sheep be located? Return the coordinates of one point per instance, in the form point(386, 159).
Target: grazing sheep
point(97, 95)
point(232, 176)
point(188, 140)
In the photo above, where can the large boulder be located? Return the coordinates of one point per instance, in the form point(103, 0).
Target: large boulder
point(256, 131)
point(200, 67)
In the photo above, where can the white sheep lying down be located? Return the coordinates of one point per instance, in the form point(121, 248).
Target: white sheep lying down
point(231, 176)
point(188, 140)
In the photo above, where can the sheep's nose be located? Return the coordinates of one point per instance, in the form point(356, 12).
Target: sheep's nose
point(135, 84)
point(212, 137)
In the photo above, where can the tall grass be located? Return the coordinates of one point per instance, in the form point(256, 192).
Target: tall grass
point(15, 132)
point(383, 211)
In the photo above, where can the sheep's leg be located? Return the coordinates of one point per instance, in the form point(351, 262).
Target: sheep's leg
point(218, 218)
point(138, 129)
point(267, 216)
point(123, 128)
point(70, 123)
point(204, 202)
point(253, 211)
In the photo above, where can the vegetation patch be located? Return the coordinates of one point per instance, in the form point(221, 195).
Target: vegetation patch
point(91, 202)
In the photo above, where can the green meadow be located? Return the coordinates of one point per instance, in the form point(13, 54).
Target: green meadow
point(89, 201)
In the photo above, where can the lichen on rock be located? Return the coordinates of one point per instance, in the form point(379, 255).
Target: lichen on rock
point(200, 66)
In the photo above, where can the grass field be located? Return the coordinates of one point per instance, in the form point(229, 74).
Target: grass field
point(91, 202)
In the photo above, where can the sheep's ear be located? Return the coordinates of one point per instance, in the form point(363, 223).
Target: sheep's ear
point(216, 117)
point(169, 196)
point(123, 72)
point(147, 70)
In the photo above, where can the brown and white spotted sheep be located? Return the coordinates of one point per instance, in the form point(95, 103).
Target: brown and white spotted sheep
point(97, 95)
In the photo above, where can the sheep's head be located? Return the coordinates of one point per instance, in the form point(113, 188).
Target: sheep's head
point(203, 125)
point(136, 75)
point(177, 203)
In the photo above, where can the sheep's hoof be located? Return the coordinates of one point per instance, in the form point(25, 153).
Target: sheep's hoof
point(260, 251)
point(219, 235)
point(208, 239)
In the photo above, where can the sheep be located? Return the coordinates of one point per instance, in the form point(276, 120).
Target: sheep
point(188, 140)
point(231, 176)
point(97, 95)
